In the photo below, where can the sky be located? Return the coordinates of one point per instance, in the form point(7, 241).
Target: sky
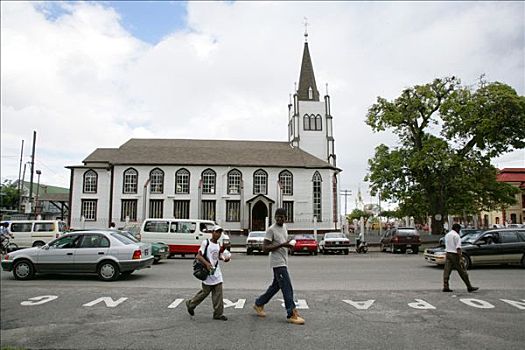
point(87, 75)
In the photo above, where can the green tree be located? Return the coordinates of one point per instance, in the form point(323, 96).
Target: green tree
point(356, 214)
point(447, 134)
point(8, 195)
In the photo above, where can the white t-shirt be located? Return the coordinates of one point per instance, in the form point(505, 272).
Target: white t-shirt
point(213, 253)
point(452, 242)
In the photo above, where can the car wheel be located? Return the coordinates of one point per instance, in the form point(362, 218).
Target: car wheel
point(346, 252)
point(523, 261)
point(383, 248)
point(156, 259)
point(415, 250)
point(23, 270)
point(315, 253)
point(249, 252)
point(108, 271)
point(392, 249)
point(38, 244)
point(467, 263)
point(403, 250)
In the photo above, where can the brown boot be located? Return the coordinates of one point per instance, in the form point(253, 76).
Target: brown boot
point(295, 318)
point(259, 310)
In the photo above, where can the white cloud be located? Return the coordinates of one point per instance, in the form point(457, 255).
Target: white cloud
point(83, 82)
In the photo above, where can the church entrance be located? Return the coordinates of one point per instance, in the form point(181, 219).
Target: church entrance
point(259, 214)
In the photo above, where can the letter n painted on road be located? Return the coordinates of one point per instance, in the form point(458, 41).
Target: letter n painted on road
point(519, 304)
point(477, 303)
point(107, 300)
point(175, 303)
point(360, 305)
point(420, 304)
point(238, 305)
point(39, 300)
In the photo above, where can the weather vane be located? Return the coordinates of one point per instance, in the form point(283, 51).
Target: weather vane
point(305, 29)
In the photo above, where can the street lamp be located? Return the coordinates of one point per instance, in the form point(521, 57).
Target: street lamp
point(38, 172)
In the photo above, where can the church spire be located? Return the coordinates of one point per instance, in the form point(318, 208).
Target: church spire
point(307, 88)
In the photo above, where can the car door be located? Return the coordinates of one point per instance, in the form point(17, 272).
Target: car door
point(486, 249)
point(510, 248)
point(59, 255)
point(92, 248)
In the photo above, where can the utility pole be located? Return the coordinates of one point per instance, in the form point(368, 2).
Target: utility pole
point(346, 193)
point(32, 173)
point(19, 187)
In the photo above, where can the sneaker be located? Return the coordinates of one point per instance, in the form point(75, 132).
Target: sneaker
point(447, 290)
point(295, 318)
point(472, 289)
point(259, 310)
point(190, 310)
point(221, 318)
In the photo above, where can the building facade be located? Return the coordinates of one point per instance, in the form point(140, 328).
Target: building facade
point(238, 184)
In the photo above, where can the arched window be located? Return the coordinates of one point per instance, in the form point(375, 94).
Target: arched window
point(234, 181)
point(156, 177)
point(286, 182)
point(318, 122)
point(208, 181)
point(182, 181)
point(306, 122)
point(317, 198)
point(90, 181)
point(260, 182)
point(130, 180)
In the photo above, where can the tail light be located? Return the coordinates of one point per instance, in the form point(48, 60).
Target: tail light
point(395, 239)
point(137, 254)
point(6, 257)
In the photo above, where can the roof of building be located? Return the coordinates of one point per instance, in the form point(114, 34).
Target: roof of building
point(511, 175)
point(307, 78)
point(44, 189)
point(207, 153)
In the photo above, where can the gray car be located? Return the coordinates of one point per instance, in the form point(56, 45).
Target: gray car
point(106, 253)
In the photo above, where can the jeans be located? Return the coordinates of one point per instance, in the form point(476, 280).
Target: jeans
point(281, 280)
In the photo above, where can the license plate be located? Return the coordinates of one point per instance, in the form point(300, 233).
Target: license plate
point(337, 242)
point(409, 246)
point(305, 248)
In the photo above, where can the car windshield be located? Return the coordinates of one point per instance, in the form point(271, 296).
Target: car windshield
point(257, 234)
point(129, 235)
point(304, 237)
point(118, 235)
point(471, 237)
point(334, 235)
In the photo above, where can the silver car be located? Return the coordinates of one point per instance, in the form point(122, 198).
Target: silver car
point(106, 253)
point(254, 242)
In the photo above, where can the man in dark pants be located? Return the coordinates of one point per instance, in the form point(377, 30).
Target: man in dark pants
point(277, 243)
point(453, 259)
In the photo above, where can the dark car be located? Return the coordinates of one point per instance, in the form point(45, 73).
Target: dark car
point(304, 244)
point(401, 239)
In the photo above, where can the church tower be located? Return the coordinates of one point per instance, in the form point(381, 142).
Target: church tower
point(309, 119)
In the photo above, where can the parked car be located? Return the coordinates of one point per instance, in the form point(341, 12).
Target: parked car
point(437, 255)
point(497, 246)
point(401, 239)
point(159, 250)
point(106, 253)
point(334, 242)
point(462, 233)
point(305, 244)
point(254, 242)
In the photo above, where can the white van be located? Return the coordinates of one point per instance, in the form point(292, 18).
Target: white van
point(184, 236)
point(35, 233)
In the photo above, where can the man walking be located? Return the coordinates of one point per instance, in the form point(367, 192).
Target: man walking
point(276, 242)
point(453, 259)
point(209, 255)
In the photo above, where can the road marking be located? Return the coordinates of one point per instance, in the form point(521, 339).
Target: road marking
point(420, 304)
point(39, 300)
point(175, 303)
point(239, 304)
point(360, 305)
point(519, 304)
point(299, 304)
point(107, 300)
point(477, 303)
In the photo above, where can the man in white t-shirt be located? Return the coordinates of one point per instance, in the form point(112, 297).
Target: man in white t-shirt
point(212, 284)
point(453, 259)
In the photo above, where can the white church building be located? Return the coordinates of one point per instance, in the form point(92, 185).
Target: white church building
point(236, 183)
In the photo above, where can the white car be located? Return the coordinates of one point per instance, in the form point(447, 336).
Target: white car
point(106, 253)
point(334, 242)
point(254, 242)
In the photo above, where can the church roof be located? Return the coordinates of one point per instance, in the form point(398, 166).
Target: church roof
point(207, 153)
point(307, 78)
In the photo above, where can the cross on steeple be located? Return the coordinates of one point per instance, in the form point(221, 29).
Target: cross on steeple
point(305, 29)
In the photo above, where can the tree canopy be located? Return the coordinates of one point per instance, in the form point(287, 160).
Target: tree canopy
point(8, 195)
point(448, 133)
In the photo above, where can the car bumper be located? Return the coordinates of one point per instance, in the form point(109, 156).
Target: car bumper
point(132, 265)
point(7, 266)
point(162, 255)
point(304, 249)
point(336, 247)
point(255, 247)
point(435, 259)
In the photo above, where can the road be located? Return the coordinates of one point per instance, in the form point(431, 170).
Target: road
point(372, 301)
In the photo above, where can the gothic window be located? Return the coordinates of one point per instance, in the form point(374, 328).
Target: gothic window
point(208, 181)
point(310, 93)
point(260, 182)
point(318, 123)
point(182, 181)
point(234, 181)
point(90, 181)
point(306, 122)
point(317, 198)
point(129, 183)
point(286, 182)
point(156, 181)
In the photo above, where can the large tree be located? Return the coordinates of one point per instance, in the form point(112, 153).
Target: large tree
point(448, 134)
point(8, 195)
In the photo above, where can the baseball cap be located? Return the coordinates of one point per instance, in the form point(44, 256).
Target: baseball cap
point(216, 228)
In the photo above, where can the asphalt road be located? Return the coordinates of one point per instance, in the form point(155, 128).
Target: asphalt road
point(372, 301)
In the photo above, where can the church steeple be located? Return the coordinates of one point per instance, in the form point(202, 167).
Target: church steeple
point(307, 88)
